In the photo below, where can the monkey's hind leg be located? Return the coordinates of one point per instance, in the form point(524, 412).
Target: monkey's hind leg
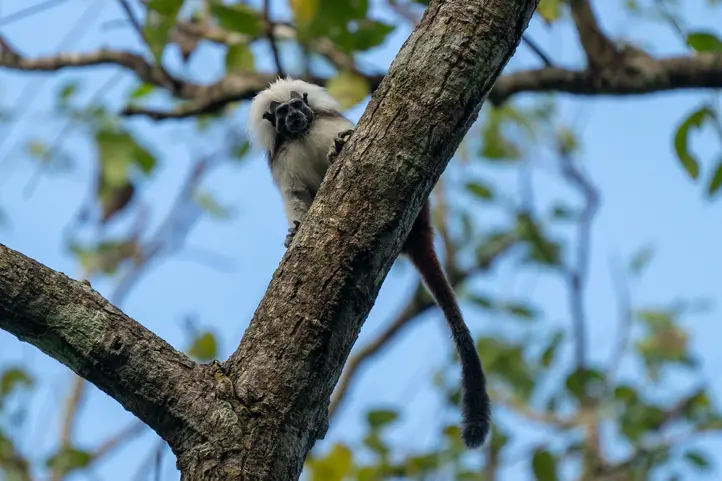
point(338, 144)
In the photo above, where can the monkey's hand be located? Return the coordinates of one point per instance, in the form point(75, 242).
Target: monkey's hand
point(338, 144)
point(291, 232)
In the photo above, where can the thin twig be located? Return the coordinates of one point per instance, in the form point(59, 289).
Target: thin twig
point(272, 38)
point(577, 274)
point(32, 10)
point(537, 50)
point(133, 19)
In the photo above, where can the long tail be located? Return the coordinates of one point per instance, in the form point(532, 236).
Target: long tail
point(476, 405)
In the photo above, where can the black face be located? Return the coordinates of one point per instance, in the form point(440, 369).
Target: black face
point(292, 119)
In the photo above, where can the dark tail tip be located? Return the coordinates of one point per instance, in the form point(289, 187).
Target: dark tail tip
point(475, 434)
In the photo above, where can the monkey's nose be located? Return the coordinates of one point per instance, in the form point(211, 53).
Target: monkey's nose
point(297, 122)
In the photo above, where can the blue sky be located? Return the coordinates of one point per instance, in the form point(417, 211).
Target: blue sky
point(627, 151)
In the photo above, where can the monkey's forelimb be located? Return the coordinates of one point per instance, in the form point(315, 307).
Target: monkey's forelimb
point(338, 144)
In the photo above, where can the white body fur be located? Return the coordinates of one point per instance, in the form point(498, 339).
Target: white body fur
point(298, 169)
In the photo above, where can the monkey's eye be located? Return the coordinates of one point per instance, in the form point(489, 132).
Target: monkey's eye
point(282, 110)
point(296, 104)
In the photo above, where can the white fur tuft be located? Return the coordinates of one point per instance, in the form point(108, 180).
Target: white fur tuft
point(260, 130)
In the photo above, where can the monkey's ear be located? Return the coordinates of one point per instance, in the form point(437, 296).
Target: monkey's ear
point(270, 117)
point(295, 95)
point(305, 98)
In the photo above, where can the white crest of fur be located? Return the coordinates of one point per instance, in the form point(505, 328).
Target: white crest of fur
point(261, 131)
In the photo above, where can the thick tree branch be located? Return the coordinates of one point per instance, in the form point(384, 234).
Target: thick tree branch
point(644, 77)
point(75, 325)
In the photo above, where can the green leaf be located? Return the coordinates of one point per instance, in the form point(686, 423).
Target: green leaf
point(239, 58)
point(550, 351)
point(584, 382)
point(544, 465)
point(204, 347)
point(704, 42)
point(238, 18)
point(157, 33)
point(165, 7)
point(716, 181)
point(12, 379)
point(698, 459)
point(68, 460)
point(549, 10)
point(210, 205)
point(381, 417)
point(374, 442)
point(334, 466)
point(523, 311)
point(641, 259)
point(304, 10)
point(348, 88)
point(141, 91)
point(681, 139)
point(480, 190)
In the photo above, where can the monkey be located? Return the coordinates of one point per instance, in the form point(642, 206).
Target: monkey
point(302, 131)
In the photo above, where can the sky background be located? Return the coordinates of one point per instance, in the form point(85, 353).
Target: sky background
point(627, 152)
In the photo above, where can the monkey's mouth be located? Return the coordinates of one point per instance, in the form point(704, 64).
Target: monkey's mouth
point(297, 124)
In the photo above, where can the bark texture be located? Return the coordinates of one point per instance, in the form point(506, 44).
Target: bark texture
point(256, 416)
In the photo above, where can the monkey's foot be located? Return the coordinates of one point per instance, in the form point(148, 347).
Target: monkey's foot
point(338, 144)
point(291, 232)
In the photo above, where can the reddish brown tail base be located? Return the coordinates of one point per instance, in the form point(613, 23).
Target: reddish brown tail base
point(475, 403)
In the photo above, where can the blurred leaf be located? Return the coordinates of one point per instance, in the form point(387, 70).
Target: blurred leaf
point(348, 88)
point(585, 382)
point(69, 459)
point(543, 250)
point(334, 466)
point(506, 362)
point(562, 212)
point(106, 257)
point(697, 459)
point(480, 190)
point(239, 152)
point(641, 259)
point(157, 33)
point(165, 7)
point(239, 58)
point(204, 347)
point(374, 442)
point(550, 350)
point(549, 10)
point(482, 301)
point(681, 139)
point(523, 311)
point(142, 90)
point(304, 10)
point(12, 379)
point(544, 466)
point(716, 181)
point(381, 417)
point(567, 141)
point(704, 42)
point(238, 18)
point(210, 205)
point(417, 465)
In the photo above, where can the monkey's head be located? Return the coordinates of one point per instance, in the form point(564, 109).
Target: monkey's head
point(286, 108)
point(291, 119)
